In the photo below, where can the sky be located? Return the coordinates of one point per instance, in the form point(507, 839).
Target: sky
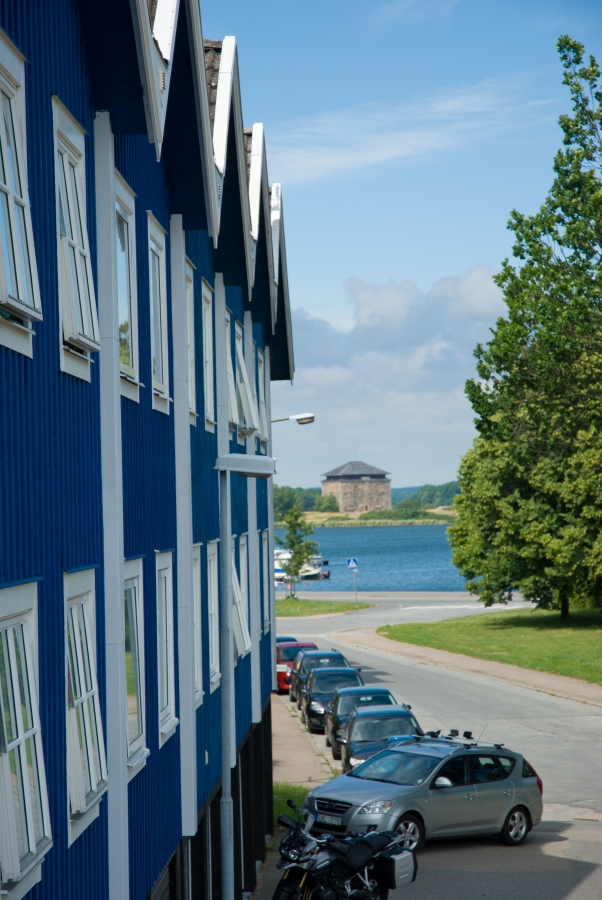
point(403, 133)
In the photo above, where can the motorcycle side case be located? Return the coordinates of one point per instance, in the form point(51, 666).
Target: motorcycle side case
point(396, 868)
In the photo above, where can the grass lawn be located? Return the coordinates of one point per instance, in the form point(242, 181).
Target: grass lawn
point(315, 607)
point(533, 639)
point(284, 791)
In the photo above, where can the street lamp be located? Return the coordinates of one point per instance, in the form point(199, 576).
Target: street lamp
point(300, 418)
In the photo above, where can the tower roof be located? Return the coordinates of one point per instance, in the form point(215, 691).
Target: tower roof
point(355, 469)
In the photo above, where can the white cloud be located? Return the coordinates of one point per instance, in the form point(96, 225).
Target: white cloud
point(390, 390)
point(336, 143)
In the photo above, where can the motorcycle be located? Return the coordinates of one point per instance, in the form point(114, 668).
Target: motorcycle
point(324, 867)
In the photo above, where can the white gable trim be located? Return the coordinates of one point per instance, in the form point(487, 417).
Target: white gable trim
point(258, 190)
point(280, 267)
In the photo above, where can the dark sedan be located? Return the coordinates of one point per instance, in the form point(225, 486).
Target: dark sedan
point(343, 702)
point(369, 729)
point(319, 688)
point(305, 662)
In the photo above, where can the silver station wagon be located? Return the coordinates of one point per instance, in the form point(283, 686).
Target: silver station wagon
point(433, 788)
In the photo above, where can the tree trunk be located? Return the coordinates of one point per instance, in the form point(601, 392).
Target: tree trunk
point(564, 605)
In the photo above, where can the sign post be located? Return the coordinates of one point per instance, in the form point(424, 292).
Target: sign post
point(352, 564)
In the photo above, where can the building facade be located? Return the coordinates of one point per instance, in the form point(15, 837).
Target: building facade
point(358, 487)
point(144, 313)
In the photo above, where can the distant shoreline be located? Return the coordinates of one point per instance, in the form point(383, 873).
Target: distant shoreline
point(380, 523)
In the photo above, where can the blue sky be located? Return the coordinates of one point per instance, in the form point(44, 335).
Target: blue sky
point(403, 133)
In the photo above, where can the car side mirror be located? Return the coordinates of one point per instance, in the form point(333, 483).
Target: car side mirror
point(442, 782)
point(341, 740)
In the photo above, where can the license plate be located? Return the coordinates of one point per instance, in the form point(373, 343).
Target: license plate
point(329, 820)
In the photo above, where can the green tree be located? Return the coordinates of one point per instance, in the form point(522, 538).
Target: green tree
point(326, 504)
point(296, 539)
point(530, 507)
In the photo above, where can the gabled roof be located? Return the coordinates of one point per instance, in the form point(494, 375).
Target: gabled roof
point(282, 360)
point(225, 114)
point(354, 468)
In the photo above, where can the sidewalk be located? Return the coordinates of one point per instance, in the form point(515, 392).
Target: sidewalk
point(556, 685)
point(295, 751)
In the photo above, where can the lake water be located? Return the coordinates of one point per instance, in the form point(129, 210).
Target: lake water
point(395, 558)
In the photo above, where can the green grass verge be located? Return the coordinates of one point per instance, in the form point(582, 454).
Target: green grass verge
point(295, 608)
point(283, 792)
point(533, 639)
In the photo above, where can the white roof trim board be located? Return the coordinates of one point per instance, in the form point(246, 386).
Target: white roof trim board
point(258, 190)
point(203, 117)
point(279, 246)
point(155, 70)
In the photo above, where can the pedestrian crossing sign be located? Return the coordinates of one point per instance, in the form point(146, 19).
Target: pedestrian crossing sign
point(352, 563)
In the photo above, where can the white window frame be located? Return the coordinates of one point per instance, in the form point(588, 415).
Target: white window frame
point(263, 418)
point(157, 240)
point(248, 417)
point(17, 315)
point(198, 623)
point(77, 343)
point(18, 633)
point(137, 749)
point(240, 623)
point(208, 375)
point(80, 603)
point(265, 553)
point(164, 591)
point(190, 310)
point(231, 385)
point(213, 613)
point(125, 206)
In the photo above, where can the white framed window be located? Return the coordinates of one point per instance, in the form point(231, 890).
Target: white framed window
point(191, 342)
point(213, 610)
point(86, 761)
point(263, 418)
point(25, 834)
point(20, 302)
point(267, 574)
point(232, 399)
point(198, 628)
point(242, 638)
point(248, 417)
point(165, 647)
point(127, 304)
point(133, 610)
point(158, 314)
point(208, 378)
point(79, 319)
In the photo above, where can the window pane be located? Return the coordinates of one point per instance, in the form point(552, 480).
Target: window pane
point(132, 665)
point(34, 788)
point(65, 206)
point(23, 256)
point(75, 288)
point(123, 292)
point(85, 650)
point(86, 299)
point(19, 806)
point(81, 740)
point(8, 708)
point(8, 255)
point(156, 324)
point(93, 746)
point(11, 149)
point(77, 214)
point(73, 669)
point(162, 642)
point(22, 678)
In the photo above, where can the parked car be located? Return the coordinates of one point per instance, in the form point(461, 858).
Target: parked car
point(343, 702)
point(433, 788)
point(369, 728)
point(284, 638)
point(319, 688)
point(305, 662)
point(285, 657)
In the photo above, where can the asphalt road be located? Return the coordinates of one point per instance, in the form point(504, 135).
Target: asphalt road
point(561, 739)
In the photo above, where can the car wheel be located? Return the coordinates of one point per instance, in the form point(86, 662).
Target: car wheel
point(326, 738)
point(516, 827)
point(336, 751)
point(299, 705)
point(412, 831)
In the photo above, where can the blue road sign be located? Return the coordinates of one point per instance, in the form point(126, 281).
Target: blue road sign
point(352, 563)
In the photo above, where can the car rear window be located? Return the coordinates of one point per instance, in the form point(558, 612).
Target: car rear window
point(328, 682)
point(528, 770)
point(322, 662)
point(348, 704)
point(287, 654)
point(379, 729)
point(397, 768)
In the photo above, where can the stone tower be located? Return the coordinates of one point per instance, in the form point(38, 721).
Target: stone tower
point(358, 487)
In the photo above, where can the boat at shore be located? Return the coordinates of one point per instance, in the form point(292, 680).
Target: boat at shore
point(310, 571)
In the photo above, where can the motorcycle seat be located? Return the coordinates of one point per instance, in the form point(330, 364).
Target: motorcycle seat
point(378, 841)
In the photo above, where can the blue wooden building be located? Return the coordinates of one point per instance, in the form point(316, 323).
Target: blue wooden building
point(144, 313)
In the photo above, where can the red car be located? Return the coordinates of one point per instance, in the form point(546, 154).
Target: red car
point(285, 657)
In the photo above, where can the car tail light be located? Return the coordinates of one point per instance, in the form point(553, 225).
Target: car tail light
point(540, 785)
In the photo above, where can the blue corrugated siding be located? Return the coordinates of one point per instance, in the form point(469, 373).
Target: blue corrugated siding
point(266, 666)
point(242, 688)
point(51, 516)
point(149, 525)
